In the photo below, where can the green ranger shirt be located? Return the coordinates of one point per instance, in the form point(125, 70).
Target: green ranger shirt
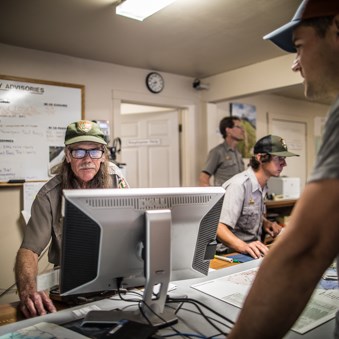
point(223, 162)
point(45, 224)
point(243, 207)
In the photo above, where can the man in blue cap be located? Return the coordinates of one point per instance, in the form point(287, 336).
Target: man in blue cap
point(292, 269)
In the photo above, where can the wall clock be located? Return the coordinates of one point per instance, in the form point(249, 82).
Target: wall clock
point(155, 82)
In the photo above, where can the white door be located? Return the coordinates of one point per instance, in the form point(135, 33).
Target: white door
point(294, 134)
point(150, 149)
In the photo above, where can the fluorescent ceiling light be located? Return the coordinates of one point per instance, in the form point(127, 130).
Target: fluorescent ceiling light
point(141, 9)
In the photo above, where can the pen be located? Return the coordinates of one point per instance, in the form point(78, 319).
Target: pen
point(223, 258)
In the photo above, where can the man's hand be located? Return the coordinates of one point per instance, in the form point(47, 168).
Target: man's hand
point(272, 228)
point(255, 249)
point(35, 304)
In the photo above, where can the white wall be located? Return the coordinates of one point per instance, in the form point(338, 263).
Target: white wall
point(99, 78)
point(257, 78)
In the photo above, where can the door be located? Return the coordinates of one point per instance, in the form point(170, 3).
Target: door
point(150, 149)
point(294, 134)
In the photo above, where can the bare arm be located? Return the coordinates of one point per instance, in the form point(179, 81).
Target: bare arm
point(204, 179)
point(294, 265)
point(255, 248)
point(33, 303)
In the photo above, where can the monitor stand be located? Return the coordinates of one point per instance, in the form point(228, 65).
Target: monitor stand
point(157, 272)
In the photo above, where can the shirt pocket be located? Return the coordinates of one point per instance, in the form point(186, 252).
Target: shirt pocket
point(227, 163)
point(249, 217)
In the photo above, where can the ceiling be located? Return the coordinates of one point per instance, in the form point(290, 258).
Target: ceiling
point(196, 38)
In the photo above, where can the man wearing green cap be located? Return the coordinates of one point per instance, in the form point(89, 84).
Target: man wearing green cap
point(242, 218)
point(86, 165)
point(289, 274)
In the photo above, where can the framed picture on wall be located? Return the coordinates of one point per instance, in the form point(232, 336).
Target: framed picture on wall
point(247, 113)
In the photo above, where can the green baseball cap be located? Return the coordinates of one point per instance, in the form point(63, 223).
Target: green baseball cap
point(272, 144)
point(84, 130)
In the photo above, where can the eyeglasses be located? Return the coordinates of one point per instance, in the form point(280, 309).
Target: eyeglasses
point(81, 153)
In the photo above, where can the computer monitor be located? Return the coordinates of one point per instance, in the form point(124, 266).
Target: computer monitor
point(137, 237)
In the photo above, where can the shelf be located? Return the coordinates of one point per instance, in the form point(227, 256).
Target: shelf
point(280, 203)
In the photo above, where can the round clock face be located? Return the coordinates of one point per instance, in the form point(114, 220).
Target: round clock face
point(155, 82)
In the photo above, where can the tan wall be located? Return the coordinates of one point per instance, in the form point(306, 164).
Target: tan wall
point(11, 232)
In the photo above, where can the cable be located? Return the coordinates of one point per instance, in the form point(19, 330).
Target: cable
point(208, 319)
point(198, 313)
point(7, 290)
point(128, 300)
point(183, 300)
point(212, 321)
point(192, 301)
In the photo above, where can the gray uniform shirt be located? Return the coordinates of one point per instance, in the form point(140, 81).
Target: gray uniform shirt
point(223, 162)
point(243, 206)
point(45, 223)
point(327, 162)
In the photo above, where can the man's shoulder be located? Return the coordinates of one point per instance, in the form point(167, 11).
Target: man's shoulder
point(218, 148)
point(238, 179)
point(115, 169)
point(52, 184)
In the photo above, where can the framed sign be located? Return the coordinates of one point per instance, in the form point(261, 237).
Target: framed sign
point(34, 115)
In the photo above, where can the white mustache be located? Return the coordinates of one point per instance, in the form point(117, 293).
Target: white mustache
point(87, 166)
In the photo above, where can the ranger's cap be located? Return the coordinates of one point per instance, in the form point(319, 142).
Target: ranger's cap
point(272, 144)
point(84, 130)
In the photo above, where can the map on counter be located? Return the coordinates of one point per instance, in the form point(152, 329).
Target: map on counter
point(43, 330)
point(233, 289)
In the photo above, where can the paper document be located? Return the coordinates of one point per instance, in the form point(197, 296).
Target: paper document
point(48, 280)
point(233, 289)
point(45, 331)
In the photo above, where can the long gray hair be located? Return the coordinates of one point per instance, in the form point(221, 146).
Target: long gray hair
point(102, 179)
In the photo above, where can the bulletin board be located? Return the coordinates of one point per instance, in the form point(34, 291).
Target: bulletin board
point(34, 115)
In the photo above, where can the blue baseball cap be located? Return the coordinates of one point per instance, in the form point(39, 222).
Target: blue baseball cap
point(308, 9)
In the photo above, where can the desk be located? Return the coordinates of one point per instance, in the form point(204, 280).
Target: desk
point(9, 313)
point(282, 208)
point(217, 264)
point(188, 321)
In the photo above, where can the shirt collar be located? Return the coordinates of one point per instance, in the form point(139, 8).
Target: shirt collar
point(255, 183)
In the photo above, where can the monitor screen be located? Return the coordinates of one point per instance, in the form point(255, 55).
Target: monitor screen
point(135, 237)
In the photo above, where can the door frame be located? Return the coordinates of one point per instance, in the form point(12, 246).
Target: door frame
point(187, 119)
point(297, 119)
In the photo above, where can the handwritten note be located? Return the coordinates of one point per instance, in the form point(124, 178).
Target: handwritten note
point(33, 118)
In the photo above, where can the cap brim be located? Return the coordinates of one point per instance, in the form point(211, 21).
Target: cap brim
point(282, 36)
point(84, 138)
point(285, 154)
